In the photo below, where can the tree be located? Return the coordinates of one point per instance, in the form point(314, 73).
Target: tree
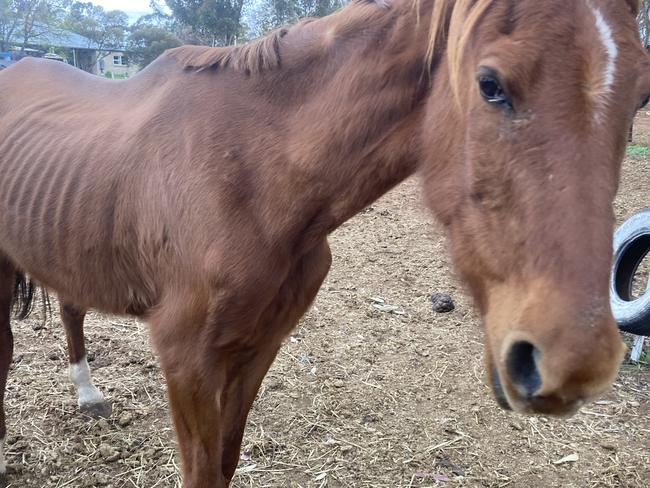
point(270, 14)
point(147, 42)
point(106, 29)
point(9, 22)
point(214, 22)
point(23, 20)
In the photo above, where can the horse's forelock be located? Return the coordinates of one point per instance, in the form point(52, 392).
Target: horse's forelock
point(452, 25)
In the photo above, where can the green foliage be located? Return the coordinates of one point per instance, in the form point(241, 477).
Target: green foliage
point(267, 15)
point(23, 20)
point(147, 42)
point(105, 29)
point(115, 76)
point(213, 22)
point(637, 150)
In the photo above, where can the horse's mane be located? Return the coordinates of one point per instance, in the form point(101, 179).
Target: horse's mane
point(255, 56)
point(451, 27)
point(252, 57)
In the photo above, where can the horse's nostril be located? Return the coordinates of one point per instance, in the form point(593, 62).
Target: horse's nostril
point(521, 365)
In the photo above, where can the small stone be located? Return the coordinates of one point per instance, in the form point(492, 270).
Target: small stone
point(516, 425)
point(442, 302)
point(338, 383)
point(101, 479)
point(109, 453)
point(274, 384)
point(125, 419)
point(610, 446)
point(53, 356)
point(371, 418)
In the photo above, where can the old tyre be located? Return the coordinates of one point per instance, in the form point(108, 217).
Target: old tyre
point(631, 244)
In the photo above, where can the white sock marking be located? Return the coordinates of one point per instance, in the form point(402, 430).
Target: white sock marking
point(607, 38)
point(80, 376)
point(3, 464)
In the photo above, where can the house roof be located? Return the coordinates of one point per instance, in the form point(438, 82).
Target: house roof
point(64, 38)
point(61, 38)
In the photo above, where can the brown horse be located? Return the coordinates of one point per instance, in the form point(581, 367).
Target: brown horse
point(200, 193)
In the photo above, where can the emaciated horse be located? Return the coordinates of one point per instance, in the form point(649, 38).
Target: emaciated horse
point(201, 196)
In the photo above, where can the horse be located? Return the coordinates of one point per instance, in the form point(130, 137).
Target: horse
point(199, 194)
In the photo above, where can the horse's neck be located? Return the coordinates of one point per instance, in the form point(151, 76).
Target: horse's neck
point(356, 135)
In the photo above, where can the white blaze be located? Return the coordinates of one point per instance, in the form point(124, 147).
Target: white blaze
point(611, 49)
point(80, 376)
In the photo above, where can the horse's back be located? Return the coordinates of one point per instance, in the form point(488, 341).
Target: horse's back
point(108, 189)
point(31, 81)
point(65, 183)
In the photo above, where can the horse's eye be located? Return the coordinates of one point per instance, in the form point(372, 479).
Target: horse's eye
point(491, 91)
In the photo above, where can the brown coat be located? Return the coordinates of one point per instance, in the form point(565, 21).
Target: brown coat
point(209, 212)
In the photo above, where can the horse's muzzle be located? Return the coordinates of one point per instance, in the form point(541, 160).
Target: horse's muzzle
point(534, 404)
point(551, 381)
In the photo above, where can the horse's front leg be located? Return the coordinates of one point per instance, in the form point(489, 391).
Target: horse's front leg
point(90, 399)
point(194, 400)
point(215, 355)
point(195, 377)
point(242, 383)
point(210, 394)
point(244, 376)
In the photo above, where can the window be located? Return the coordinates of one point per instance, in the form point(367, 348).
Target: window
point(119, 60)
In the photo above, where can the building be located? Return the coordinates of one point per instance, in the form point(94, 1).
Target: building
point(115, 64)
point(78, 51)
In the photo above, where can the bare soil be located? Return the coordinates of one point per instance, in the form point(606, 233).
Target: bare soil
point(358, 397)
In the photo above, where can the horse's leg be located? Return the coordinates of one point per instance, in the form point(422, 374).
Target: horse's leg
point(242, 384)
point(194, 378)
point(244, 377)
point(211, 388)
point(90, 399)
point(7, 273)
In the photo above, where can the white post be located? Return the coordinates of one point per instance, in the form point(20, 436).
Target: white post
point(637, 349)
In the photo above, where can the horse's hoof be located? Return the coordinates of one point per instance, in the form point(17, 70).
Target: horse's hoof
point(96, 410)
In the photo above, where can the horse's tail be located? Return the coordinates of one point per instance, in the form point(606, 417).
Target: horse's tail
point(22, 303)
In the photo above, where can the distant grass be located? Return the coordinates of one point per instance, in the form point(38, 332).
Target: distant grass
point(637, 150)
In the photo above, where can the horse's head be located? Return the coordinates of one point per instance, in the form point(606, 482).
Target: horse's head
point(522, 169)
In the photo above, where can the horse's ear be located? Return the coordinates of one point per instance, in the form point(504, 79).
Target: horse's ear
point(635, 6)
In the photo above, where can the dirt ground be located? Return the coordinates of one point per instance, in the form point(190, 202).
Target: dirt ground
point(358, 397)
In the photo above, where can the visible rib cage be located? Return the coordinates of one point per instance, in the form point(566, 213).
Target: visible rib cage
point(60, 201)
